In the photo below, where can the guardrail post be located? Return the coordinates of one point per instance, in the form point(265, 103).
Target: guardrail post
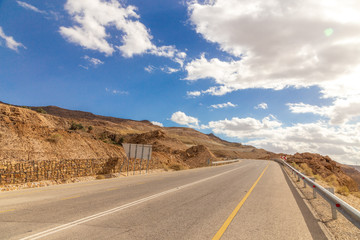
point(304, 182)
point(333, 208)
point(314, 191)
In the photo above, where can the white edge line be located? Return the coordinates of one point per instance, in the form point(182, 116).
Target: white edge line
point(116, 209)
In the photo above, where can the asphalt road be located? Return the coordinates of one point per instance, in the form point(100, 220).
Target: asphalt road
point(192, 204)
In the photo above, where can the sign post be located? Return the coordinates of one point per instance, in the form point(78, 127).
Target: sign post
point(135, 151)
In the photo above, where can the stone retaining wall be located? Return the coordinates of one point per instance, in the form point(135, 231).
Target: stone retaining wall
point(23, 171)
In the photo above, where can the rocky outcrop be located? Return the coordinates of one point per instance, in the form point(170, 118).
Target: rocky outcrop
point(325, 167)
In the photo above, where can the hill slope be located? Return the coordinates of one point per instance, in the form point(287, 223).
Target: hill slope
point(28, 134)
point(53, 133)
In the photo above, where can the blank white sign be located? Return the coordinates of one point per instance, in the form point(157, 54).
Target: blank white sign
point(141, 151)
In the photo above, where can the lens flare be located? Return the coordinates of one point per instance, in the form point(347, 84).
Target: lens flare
point(328, 32)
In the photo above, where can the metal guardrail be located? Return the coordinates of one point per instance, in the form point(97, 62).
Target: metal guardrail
point(225, 161)
point(337, 204)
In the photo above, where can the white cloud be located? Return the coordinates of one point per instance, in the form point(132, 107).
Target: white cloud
point(276, 44)
point(93, 18)
point(340, 112)
point(193, 93)
point(150, 68)
point(10, 42)
point(48, 15)
point(93, 61)
point(157, 123)
point(169, 70)
point(261, 106)
point(245, 127)
point(307, 108)
point(30, 7)
point(223, 105)
point(116, 92)
point(182, 119)
point(84, 67)
point(341, 142)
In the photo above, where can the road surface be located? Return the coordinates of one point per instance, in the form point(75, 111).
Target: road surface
point(191, 204)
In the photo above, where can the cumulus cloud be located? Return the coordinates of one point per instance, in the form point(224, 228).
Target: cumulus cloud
point(10, 42)
point(261, 106)
point(340, 112)
point(223, 105)
point(157, 123)
point(193, 93)
point(339, 142)
point(277, 44)
point(183, 119)
point(245, 127)
point(30, 7)
point(94, 18)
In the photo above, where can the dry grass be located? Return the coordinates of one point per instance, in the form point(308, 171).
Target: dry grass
point(306, 170)
point(318, 177)
point(332, 180)
point(343, 190)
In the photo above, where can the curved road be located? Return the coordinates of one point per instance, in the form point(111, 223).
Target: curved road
point(191, 204)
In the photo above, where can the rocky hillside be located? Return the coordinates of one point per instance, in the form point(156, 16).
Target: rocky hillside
point(323, 168)
point(53, 133)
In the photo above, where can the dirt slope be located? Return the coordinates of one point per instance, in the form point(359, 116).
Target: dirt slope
point(28, 135)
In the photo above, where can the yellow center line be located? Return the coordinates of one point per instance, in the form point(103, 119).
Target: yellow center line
point(9, 210)
point(71, 197)
point(226, 224)
point(111, 189)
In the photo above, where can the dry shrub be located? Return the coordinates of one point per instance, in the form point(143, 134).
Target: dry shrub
point(306, 169)
point(294, 165)
point(318, 177)
point(54, 138)
point(343, 190)
point(332, 180)
point(100, 177)
point(165, 167)
point(176, 167)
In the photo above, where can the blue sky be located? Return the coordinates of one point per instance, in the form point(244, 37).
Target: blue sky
point(274, 74)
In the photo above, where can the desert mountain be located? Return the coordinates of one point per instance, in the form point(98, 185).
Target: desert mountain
point(53, 133)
